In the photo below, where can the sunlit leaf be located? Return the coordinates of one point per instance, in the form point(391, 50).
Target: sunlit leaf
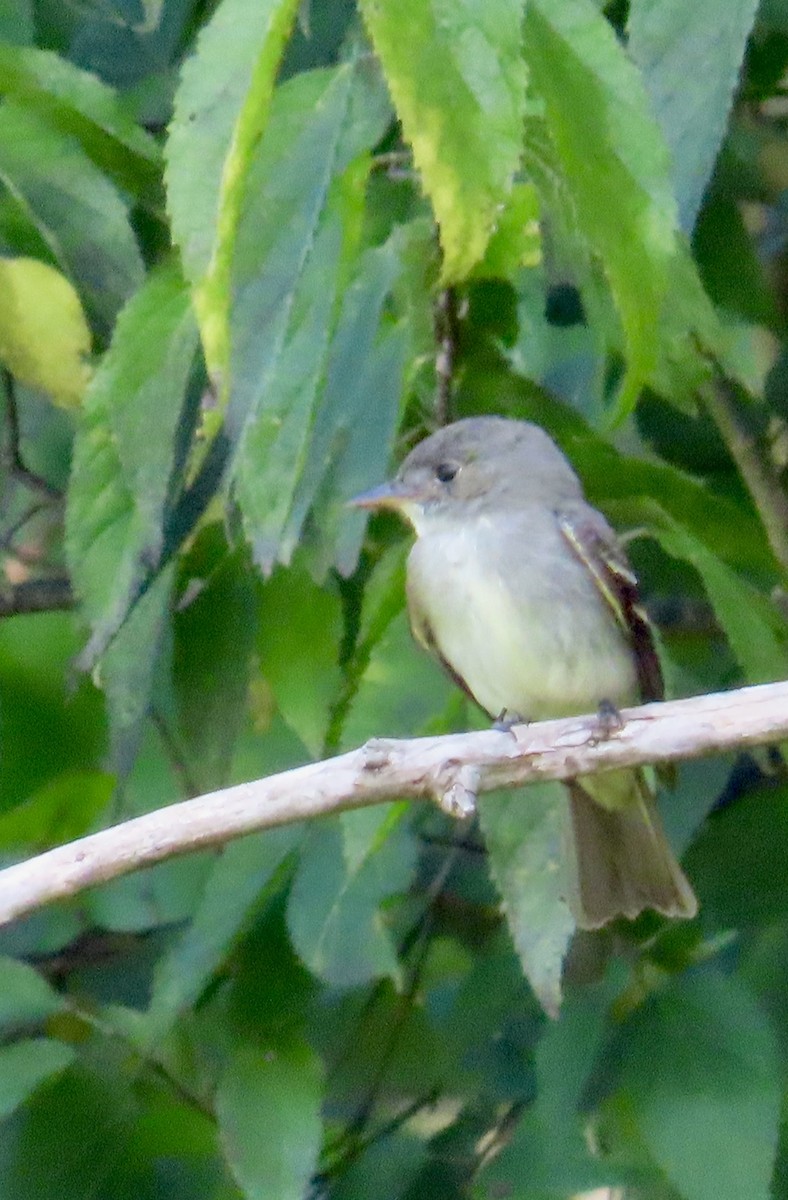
point(457, 79)
point(221, 109)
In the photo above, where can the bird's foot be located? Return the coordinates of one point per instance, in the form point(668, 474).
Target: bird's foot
point(608, 722)
point(506, 720)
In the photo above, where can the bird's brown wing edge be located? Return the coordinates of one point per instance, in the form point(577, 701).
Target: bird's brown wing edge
point(597, 547)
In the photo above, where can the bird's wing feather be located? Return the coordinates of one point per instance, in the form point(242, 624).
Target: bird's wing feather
point(597, 547)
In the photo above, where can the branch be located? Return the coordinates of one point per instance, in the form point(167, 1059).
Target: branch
point(760, 478)
point(35, 595)
point(446, 321)
point(449, 769)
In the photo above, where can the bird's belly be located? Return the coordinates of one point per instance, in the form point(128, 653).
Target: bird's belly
point(552, 649)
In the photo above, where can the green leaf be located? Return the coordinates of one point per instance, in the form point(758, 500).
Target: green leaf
point(25, 998)
point(297, 235)
point(233, 892)
point(301, 628)
point(17, 23)
point(44, 337)
point(125, 452)
point(66, 807)
point(549, 1148)
point(163, 895)
point(615, 165)
point(730, 530)
point(82, 104)
point(667, 40)
point(333, 911)
point(757, 633)
point(36, 652)
point(701, 1073)
point(457, 79)
point(129, 667)
point(268, 1107)
point(221, 110)
point(400, 690)
point(27, 1064)
point(517, 240)
point(751, 835)
point(75, 209)
point(347, 452)
point(69, 1140)
point(214, 636)
point(693, 335)
point(523, 832)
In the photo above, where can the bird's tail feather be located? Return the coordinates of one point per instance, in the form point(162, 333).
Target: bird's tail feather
point(622, 860)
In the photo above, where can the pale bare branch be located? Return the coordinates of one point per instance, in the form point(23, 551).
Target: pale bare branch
point(448, 769)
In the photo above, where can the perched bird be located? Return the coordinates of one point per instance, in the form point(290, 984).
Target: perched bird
point(521, 590)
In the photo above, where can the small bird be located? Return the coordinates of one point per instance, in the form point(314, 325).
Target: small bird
point(523, 593)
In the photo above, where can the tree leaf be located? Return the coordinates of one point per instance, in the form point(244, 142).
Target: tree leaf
point(25, 1065)
point(268, 1107)
point(333, 912)
point(757, 633)
point(121, 475)
point(82, 104)
point(348, 453)
point(614, 162)
point(76, 210)
point(549, 1147)
point(701, 1073)
point(214, 635)
point(523, 831)
point(752, 835)
point(297, 234)
point(66, 807)
point(129, 667)
point(232, 894)
point(221, 110)
point(457, 78)
point(26, 997)
point(731, 531)
point(400, 690)
point(300, 634)
point(667, 40)
point(44, 337)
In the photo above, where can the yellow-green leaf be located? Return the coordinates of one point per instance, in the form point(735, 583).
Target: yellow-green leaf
point(44, 337)
point(457, 79)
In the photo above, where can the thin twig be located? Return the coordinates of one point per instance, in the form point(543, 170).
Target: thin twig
point(759, 477)
point(446, 330)
point(34, 596)
point(13, 453)
point(385, 770)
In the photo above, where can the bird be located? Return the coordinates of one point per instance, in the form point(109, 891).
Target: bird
point(524, 594)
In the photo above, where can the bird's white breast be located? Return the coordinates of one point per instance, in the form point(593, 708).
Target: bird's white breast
point(518, 617)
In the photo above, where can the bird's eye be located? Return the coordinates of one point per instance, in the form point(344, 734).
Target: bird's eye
point(446, 471)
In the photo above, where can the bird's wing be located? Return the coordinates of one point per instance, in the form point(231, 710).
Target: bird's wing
point(597, 547)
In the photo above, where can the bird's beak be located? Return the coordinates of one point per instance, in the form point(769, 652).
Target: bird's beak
point(387, 495)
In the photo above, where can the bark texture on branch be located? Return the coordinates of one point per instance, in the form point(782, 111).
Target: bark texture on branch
point(450, 770)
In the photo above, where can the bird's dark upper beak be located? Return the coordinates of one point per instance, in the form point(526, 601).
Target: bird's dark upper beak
point(386, 495)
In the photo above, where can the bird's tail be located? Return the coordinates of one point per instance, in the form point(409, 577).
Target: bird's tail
point(622, 860)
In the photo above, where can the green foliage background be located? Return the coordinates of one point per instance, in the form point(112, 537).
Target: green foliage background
point(295, 238)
